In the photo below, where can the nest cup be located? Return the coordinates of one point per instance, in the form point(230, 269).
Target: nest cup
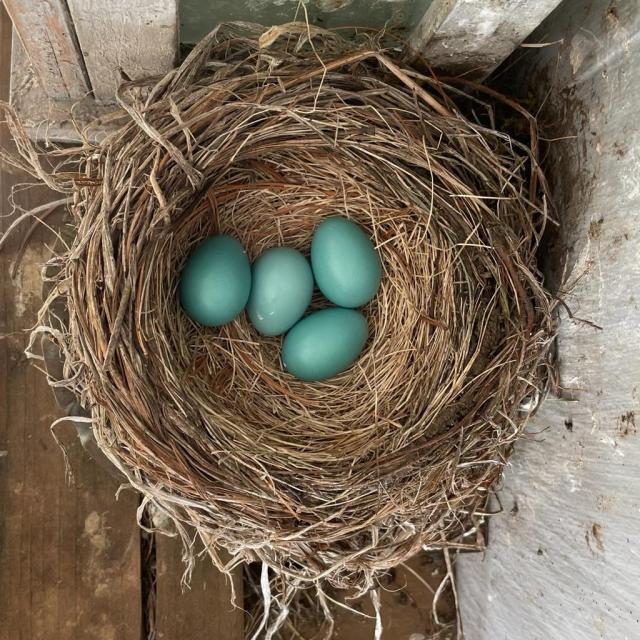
point(262, 134)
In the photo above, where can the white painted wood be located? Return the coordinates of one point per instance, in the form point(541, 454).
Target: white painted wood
point(136, 38)
point(564, 558)
point(47, 34)
point(474, 36)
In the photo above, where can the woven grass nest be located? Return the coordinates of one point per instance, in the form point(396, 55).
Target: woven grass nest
point(261, 134)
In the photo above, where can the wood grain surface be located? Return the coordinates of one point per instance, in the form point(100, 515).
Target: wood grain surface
point(48, 36)
point(201, 612)
point(136, 39)
point(69, 554)
point(472, 38)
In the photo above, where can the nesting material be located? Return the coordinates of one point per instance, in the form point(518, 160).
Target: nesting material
point(262, 134)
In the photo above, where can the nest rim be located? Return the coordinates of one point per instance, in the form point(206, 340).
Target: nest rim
point(299, 120)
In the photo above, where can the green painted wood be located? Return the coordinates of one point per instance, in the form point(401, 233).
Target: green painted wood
point(198, 17)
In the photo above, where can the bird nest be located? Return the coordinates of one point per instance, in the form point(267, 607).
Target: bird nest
point(262, 134)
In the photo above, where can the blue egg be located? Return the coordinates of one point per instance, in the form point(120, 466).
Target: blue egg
point(281, 290)
point(324, 343)
point(345, 263)
point(216, 281)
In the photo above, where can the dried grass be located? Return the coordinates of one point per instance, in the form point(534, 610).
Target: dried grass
point(262, 135)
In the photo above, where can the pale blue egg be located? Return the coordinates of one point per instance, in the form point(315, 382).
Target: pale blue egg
point(216, 281)
point(281, 290)
point(345, 264)
point(324, 343)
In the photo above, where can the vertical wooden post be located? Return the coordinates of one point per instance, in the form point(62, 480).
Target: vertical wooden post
point(472, 37)
point(135, 39)
point(48, 36)
point(83, 46)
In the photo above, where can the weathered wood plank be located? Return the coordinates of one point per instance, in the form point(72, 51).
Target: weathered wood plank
point(46, 119)
point(471, 37)
point(564, 559)
point(138, 39)
point(48, 36)
point(69, 555)
point(202, 612)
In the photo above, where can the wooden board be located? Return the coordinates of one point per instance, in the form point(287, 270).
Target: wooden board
point(564, 559)
point(69, 555)
point(46, 119)
point(204, 611)
point(473, 38)
point(137, 39)
point(48, 35)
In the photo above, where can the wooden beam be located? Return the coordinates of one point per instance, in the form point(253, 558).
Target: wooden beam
point(48, 36)
point(471, 37)
point(123, 38)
